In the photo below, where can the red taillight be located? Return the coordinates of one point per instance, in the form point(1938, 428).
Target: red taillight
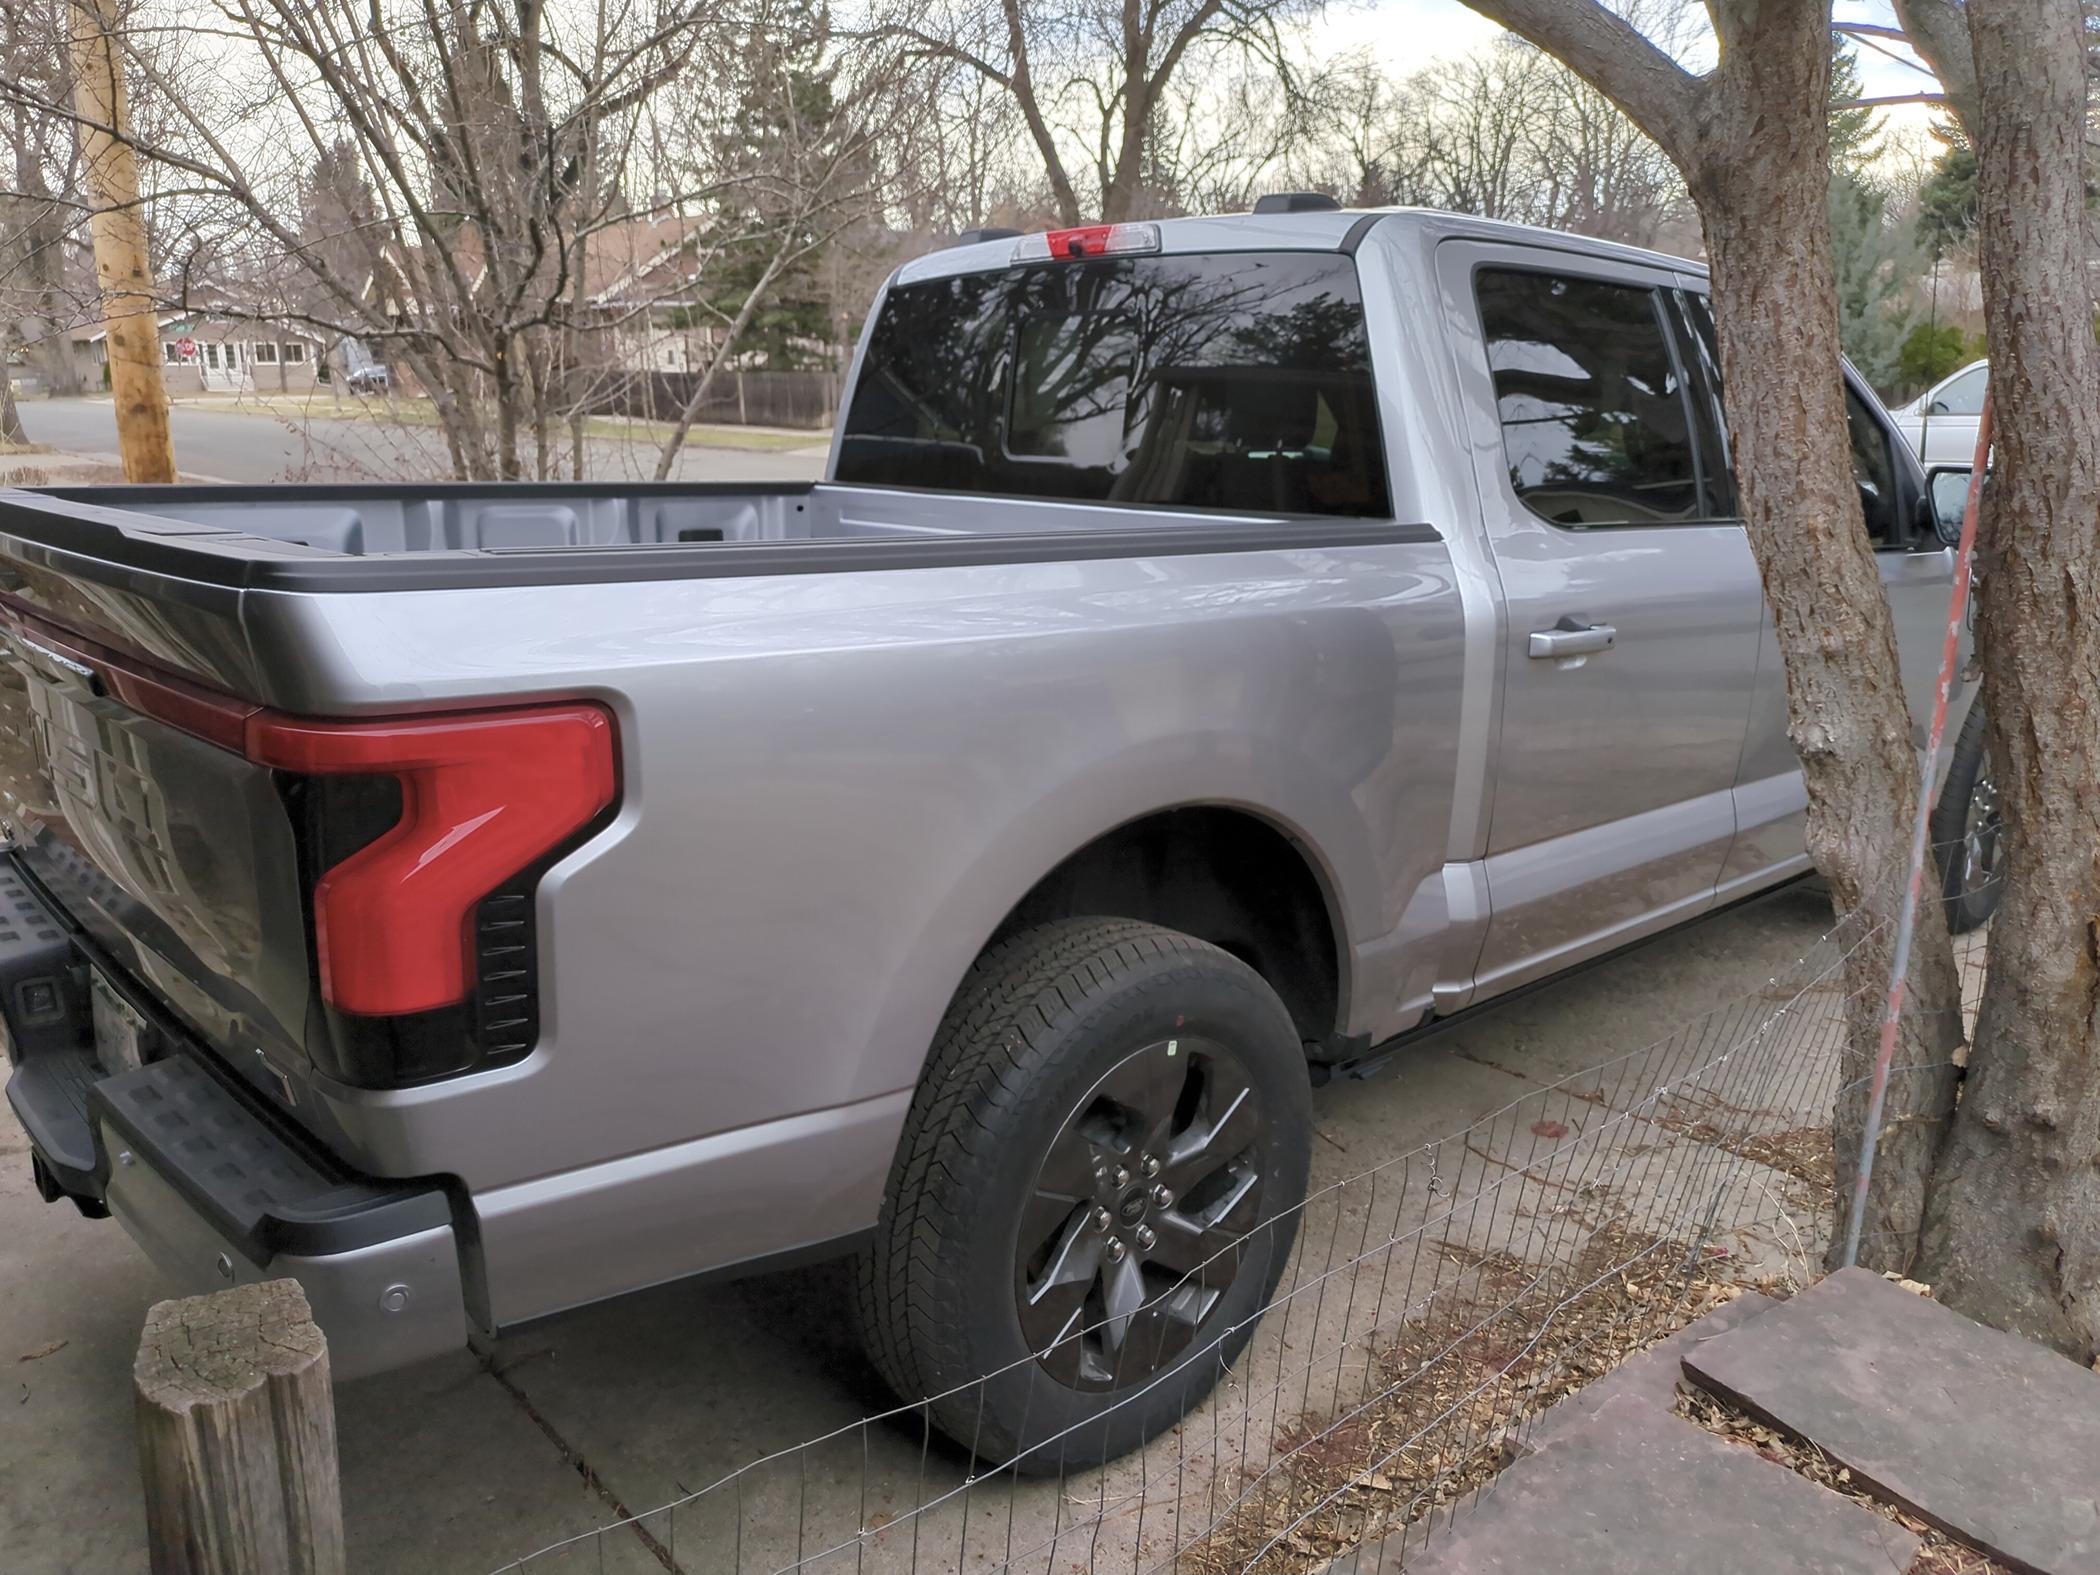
point(483, 795)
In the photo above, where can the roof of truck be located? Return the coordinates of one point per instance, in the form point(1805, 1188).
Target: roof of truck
point(1330, 229)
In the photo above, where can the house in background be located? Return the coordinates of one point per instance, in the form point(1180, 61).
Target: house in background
point(205, 353)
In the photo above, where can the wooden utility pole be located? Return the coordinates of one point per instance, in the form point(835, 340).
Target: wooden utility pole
point(122, 272)
point(237, 1436)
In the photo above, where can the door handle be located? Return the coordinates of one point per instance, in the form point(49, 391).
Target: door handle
point(1569, 638)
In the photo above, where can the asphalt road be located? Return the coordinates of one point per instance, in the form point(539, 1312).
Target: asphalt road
point(229, 445)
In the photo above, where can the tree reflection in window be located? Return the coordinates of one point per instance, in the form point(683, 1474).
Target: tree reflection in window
point(1595, 427)
point(1234, 381)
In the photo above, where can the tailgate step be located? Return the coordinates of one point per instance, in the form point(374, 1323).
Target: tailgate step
point(256, 1185)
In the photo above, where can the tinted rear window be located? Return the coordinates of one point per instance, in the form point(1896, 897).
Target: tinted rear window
point(1240, 381)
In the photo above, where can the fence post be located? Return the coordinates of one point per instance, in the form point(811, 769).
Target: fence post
point(237, 1436)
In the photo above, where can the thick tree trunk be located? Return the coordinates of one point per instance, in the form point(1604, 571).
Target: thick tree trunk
point(2013, 1235)
point(1752, 140)
point(1768, 243)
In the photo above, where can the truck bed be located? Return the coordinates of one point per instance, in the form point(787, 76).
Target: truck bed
point(456, 535)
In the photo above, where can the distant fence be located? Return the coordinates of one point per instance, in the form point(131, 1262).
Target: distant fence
point(755, 399)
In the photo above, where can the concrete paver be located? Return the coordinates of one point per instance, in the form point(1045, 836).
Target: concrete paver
point(1991, 1438)
point(1637, 1492)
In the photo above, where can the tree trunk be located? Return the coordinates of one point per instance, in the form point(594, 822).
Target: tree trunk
point(10, 418)
point(1752, 139)
point(2013, 1236)
point(1764, 214)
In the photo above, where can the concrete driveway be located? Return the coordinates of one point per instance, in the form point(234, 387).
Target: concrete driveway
point(467, 1464)
point(244, 446)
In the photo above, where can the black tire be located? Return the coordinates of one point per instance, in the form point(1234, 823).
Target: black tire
point(1045, 1022)
point(1966, 831)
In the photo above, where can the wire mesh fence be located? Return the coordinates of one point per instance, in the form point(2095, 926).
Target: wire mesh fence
point(1431, 1309)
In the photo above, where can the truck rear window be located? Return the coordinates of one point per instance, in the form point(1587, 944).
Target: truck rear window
point(1236, 381)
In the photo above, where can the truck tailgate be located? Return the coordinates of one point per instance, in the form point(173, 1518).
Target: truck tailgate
point(176, 857)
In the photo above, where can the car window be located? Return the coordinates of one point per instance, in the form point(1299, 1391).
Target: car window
point(1873, 463)
point(1692, 321)
point(1874, 468)
point(1962, 396)
point(1596, 429)
point(1238, 381)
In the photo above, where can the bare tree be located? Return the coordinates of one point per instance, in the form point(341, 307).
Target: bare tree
point(2013, 1224)
point(1752, 141)
point(1093, 80)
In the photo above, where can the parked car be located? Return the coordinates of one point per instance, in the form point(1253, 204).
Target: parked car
point(1216, 648)
point(367, 379)
point(1940, 424)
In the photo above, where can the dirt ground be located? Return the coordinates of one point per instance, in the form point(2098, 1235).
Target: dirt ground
point(471, 1463)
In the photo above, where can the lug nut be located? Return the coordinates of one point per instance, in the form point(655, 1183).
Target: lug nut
point(1162, 1198)
point(1121, 1177)
point(1103, 1219)
point(1150, 1165)
point(1146, 1237)
point(1116, 1249)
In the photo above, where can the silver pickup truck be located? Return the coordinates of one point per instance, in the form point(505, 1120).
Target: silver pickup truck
point(1217, 647)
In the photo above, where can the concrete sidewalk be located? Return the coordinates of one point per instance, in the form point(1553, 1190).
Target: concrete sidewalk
point(466, 1464)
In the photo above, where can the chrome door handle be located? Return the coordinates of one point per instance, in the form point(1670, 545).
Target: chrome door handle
point(1569, 638)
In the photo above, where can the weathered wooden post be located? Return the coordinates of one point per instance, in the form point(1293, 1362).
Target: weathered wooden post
point(237, 1436)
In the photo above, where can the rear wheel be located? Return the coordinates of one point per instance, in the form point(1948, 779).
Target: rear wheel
point(1967, 830)
point(1094, 1195)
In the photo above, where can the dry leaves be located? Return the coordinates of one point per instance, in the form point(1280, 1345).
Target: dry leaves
point(1939, 1555)
point(43, 1351)
point(1500, 1343)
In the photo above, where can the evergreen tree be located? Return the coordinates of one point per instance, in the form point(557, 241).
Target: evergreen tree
point(1855, 132)
point(1947, 197)
point(785, 105)
point(1875, 263)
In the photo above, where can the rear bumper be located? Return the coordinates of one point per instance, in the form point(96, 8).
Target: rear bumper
point(216, 1186)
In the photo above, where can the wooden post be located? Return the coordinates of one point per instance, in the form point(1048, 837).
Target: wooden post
point(237, 1436)
point(122, 272)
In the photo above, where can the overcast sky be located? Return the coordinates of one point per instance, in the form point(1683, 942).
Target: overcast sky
point(1409, 33)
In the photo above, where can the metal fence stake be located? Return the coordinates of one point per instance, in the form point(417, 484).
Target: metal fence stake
point(1906, 921)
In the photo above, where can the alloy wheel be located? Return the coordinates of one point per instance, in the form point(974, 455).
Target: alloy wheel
point(1136, 1224)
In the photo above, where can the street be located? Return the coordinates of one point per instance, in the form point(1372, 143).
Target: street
point(233, 445)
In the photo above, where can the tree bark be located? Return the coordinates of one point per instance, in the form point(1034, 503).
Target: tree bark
point(2013, 1235)
point(1752, 141)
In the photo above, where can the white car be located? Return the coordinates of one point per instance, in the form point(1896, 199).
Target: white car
point(1940, 424)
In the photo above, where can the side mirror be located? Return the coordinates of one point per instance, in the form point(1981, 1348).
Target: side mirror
point(1947, 495)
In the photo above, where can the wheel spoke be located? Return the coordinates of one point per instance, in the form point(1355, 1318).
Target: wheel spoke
point(1189, 1249)
point(1147, 1087)
point(1051, 1305)
point(1067, 1170)
point(1123, 1287)
point(1227, 1125)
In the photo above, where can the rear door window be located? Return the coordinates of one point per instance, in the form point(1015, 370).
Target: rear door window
point(1596, 425)
point(1237, 381)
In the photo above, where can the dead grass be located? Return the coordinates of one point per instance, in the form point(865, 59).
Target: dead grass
point(1940, 1553)
point(1500, 1343)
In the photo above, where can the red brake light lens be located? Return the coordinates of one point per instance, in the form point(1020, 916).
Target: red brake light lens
point(483, 795)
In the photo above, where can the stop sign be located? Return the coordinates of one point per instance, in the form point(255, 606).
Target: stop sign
point(186, 347)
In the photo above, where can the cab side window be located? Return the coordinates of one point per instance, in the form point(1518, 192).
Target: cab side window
point(1596, 429)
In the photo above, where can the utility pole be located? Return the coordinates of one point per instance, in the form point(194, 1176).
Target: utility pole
point(122, 273)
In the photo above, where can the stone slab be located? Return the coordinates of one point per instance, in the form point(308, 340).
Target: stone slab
point(1991, 1438)
point(1634, 1491)
point(1651, 1376)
